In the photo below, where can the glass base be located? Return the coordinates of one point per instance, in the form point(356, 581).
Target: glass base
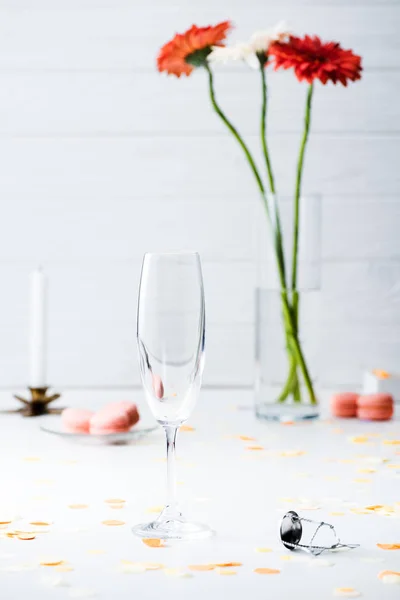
point(172, 526)
point(286, 413)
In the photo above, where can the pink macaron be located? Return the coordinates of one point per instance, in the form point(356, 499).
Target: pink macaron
point(375, 407)
point(116, 417)
point(76, 420)
point(129, 407)
point(344, 405)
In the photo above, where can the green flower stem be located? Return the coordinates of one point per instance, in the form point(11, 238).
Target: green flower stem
point(263, 129)
point(295, 343)
point(300, 164)
point(276, 226)
point(250, 160)
point(235, 132)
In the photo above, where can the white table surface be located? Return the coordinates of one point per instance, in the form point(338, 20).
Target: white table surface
point(241, 493)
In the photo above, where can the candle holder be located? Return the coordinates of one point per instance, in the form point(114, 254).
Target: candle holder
point(38, 404)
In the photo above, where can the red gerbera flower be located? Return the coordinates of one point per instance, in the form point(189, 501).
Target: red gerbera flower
point(190, 49)
point(312, 59)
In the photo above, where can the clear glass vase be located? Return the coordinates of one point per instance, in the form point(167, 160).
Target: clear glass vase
point(287, 309)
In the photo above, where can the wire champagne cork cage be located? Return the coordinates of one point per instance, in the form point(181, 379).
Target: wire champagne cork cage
point(295, 530)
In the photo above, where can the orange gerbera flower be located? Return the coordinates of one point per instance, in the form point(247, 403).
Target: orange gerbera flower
point(312, 59)
point(190, 49)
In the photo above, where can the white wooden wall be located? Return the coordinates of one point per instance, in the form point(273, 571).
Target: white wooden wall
point(102, 159)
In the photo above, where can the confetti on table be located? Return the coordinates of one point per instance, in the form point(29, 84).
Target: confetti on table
point(361, 480)
point(346, 592)
point(254, 448)
point(228, 564)
point(51, 562)
point(113, 523)
point(26, 536)
point(134, 569)
point(264, 550)
point(155, 509)
point(265, 571)
point(78, 506)
point(63, 568)
point(359, 439)
point(201, 567)
point(40, 523)
point(226, 571)
point(292, 453)
point(180, 573)
point(337, 514)
point(115, 501)
point(186, 428)
point(391, 442)
point(152, 566)
point(246, 438)
point(389, 546)
point(389, 576)
point(153, 542)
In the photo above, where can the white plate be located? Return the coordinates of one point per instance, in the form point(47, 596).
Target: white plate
point(54, 426)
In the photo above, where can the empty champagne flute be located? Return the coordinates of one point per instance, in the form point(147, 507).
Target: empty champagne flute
point(171, 335)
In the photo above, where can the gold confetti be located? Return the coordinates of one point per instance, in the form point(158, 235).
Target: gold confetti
point(152, 566)
point(186, 428)
point(155, 509)
point(246, 438)
point(201, 567)
point(264, 550)
point(226, 572)
point(117, 506)
point(291, 453)
point(361, 480)
point(78, 506)
point(39, 523)
point(228, 564)
point(172, 572)
point(389, 576)
point(153, 543)
point(5, 522)
point(113, 523)
point(389, 546)
point(265, 571)
point(131, 568)
point(63, 569)
point(286, 557)
point(26, 536)
point(347, 592)
point(51, 562)
point(367, 470)
point(359, 439)
point(115, 501)
point(391, 442)
point(337, 514)
point(255, 448)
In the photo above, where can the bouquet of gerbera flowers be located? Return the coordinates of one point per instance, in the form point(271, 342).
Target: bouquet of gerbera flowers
point(311, 60)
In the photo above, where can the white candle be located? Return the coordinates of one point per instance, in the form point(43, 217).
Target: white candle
point(38, 333)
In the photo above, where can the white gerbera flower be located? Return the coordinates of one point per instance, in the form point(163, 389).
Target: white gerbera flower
point(240, 51)
point(247, 51)
point(261, 40)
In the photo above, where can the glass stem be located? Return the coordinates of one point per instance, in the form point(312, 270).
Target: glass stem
point(170, 434)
